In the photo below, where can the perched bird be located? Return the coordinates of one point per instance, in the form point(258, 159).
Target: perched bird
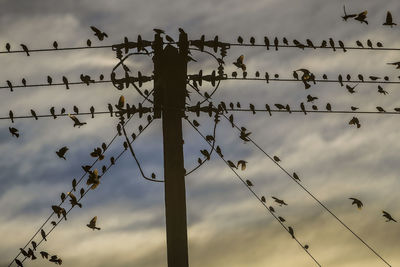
point(356, 202)
point(277, 159)
point(9, 84)
point(34, 114)
point(303, 108)
point(65, 81)
point(271, 209)
point(240, 40)
point(268, 109)
point(53, 223)
point(239, 63)
point(242, 163)
point(252, 108)
point(93, 179)
point(23, 252)
point(279, 201)
point(92, 224)
point(295, 75)
point(332, 43)
point(291, 232)
point(25, 48)
point(358, 43)
point(92, 111)
point(351, 89)
point(341, 44)
point(55, 45)
point(397, 64)
point(52, 112)
point(388, 216)
point(288, 108)
point(263, 199)
point(285, 41)
point(361, 17)
point(374, 78)
point(276, 43)
point(44, 254)
point(61, 152)
point(86, 79)
point(346, 16)
point(311, 98)
point(89, 43)
point(381, 91)
point(11, 115)
point(8, 47)
point(76, 109)
point(281, 219)
point(74, 201)
point(280, 106)
point(266, 42)
point(328, 107)
point(74, 184)
point(18, 262)
point(380, 109)
point(353, 108)
point(361, 78)
point(355, 121)
point(62, 111)
point(43, 234)
point(323, 44)
point(244, 136)
point(389, 20)
point(99, 33)
point(369, 43)
point(14, 131)
point(231, 164)
point(23, 82)
point(110, 109)
point(249, 183)
point(295, 176)
point(76, 121)
point(310, 43)
point(252, 40)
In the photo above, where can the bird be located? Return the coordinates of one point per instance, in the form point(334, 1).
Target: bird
point(276, 43)
point(89, 43)
point(358, 43)
point(110, 109)
point(306, 246)
point(18, 262)
point(328, 107)
point(93, 179)
point(268, 109)
point(62, 111)
point(355, 121)
point(239, 63)
point(158, 31)
point(380, 90)
point(266, 42)
point(311, 98)
point(34, 245)
point(285, 41)
point(61, 152)
point(397, 109)
point(351, 89)
point(53, 223)
point(76, 109)
point(242, 163)
point(252, 108)
point(353, 108)
point(13, 131)
point(92, 224)
point(52, 112)
point(397, 64)
point(281, 219)
point(74, 184)
point(280, 106)
point(356, 202)
point(240, 40)
point(244, 136)
point(388, 216)
point(369, 43)
point(44, 254)
point(252, 40)
point(65, 81)
point(295, 176)
point(43, 234)
point(374, 78)
point(9, 84)
point(271, 209)
point(23, 82)
point(49, 80)
point(25, 48)
point(288, 108)
point(332, 43)
point(362, 16)
point(11, 115)
point(277, 159)
point(99, 33)
point(231, 164)
point(55, 45)
point(121, 102)
point(323, 44)
point(279, 201)
point(291, 232)
point(34, 114)
point(379, 44)
point(8, 47)
point(263, 199)
point(380, 109)
point(295, 75)
point(92, 111)
point(23, 252)
point(76, 121)
point(249, 183)
point(361, 78)
point(346, 16)
point(310, 44)
point(74, 200)
point(86, 79)
point(303, 108)
point(389, 20)
point(341, 44)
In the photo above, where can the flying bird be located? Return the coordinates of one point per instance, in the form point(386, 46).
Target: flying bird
point(242, 163)
point(76, 121)
point(351, 89)
point(388, 216)
point(389, 20)
point(311, 98)
point(92, 224)
point(355, 121)
point(61, 152)
point(239, 63)
point(356, 202)
point(361, 17)
point(347, 16)
point(13, 131)
point(98, 33)
point(381, 91)
point(279, 201)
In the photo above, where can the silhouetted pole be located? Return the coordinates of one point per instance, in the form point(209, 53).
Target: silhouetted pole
point(170, 69)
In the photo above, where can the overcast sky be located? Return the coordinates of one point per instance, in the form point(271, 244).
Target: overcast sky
point(227, 226)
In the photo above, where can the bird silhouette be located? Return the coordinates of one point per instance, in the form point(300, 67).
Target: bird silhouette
point(374, 78)
point(231, 164)
point(361, 17)
point(240, 40)
point(341, 44)
point(18, 262)
point(285, 41)
point(55, 45)
point(279, 201)
point(14, 131)
point(89, 43)
point(381, 91)
point(347, 16)
point(74, 184)
point(92, 111)
point(353, 108)
point(288, 108)
point(244, 136)
point(379, 44)
point(82, 192)
point(61, 152)
point(280, 106)
point(11, 115)
point(295, 176)
point(358, 43)
point(389, 20)
point(252, 40)
point(92, 224)
point(310, 44)
point(295, 75)
point(25, 48)
point(76, 109)
point(328, 107)
point(49, 80)
point(369, 43)
point(380, 109)
point(239, 63)
point(73, 200)
point(65, 81)
point(302, 107)
point(98, 33)
point(298, 44)
point(23, 82)
point(355, 121)
point(76, 121)
point(9, 84)
point(332, 43)
point(44, 254)
point(52, 112)
point(348, 77)
point(242, 164)
point(8, 47)
point(356, 202)
point(281, 219)
point(110, 109)
point(93, 179)
point(263, 199)
point(23, 252)
point(323, 43)
point(252, 108)
point(249, 183)
point(43, 234)
point(86, 79)
point(97, 153)
point(268, 109)
point(397, 109)
point(31, 254)
point(276, 43)
point(53, 223)
point(277, 159)
point(351, 89)
point(291, 232)
point(271, 209)
point(311, 98)
point(388, 216)
point(266, 42)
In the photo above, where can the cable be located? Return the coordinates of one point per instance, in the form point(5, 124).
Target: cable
point(53, 84)
point(316, 111)
point(56, 50)
point(87, 190)
point(57, 115)
point(256, 196)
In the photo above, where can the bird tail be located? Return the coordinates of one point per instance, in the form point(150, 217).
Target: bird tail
point(98, 228)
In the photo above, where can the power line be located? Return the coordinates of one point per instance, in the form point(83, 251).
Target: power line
point(254, 194)
point(317, 80)
point(315, 111)
point(52, 84)
point(56, 50)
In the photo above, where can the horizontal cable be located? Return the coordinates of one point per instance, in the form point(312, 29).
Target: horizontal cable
point(316, 81)
point(53, 84)
point(316, 111)
point(55, 50)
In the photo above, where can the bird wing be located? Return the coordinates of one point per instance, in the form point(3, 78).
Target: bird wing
point(93, 220)
point(240, 59)
point(97, 31)
point(389, 18)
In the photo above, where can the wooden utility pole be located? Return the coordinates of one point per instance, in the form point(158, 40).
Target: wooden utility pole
point(170, 70)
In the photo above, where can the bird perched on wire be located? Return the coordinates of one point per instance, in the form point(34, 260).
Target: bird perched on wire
point(243, 135)
point(92, 224)
point(388, 216)
point(389, 20)
point(25, 48)
point(93, 179)
point(291, 232)
point(61, 152)
point(86, 79)
point(239, 63)
point(13, 131)
point(362, 16)
point(43, 234)
point(74, 201)
point(98, 33)
point(357, 202)
point(76, 121)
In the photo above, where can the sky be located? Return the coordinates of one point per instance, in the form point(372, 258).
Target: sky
point(227, 225)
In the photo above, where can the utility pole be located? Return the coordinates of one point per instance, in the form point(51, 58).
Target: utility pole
point(170, 70)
